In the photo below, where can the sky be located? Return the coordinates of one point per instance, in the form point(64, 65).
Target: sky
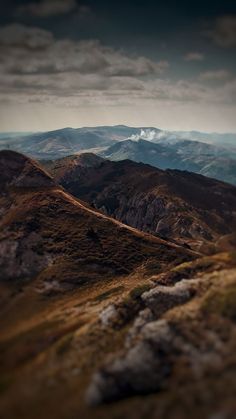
point(168, 64)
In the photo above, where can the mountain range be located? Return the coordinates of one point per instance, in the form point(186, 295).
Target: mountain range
point(118, 289)
point(173, 204)
point(213, 155)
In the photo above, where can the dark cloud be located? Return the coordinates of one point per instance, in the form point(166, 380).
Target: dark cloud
point(35, 51)
point(194, 56)
point(149, 54)
point(223, 31)
point(17, 35)
point(46, 8)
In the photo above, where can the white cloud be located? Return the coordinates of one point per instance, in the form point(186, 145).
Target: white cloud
point(47, 8)
point(194, 56)
point(223, 31)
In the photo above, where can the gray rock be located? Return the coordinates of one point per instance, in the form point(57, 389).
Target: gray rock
point(141, 370)
point(109, 315)
point(162, 298)
point(144, 316)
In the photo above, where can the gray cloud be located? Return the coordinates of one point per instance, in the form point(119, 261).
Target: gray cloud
point(47, 8)
point(20, 36)
point(223, 31)
point(215, 75)
point(34, 51)
point(194, 56)
point(37, 68)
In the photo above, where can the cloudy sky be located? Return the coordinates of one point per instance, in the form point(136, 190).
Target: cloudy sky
point(165, 63)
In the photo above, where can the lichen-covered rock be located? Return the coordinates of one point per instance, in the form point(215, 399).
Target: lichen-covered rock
point(142, 369)
point(22, 259)
point(144, 316)
point(109, 315)
point(162, 298)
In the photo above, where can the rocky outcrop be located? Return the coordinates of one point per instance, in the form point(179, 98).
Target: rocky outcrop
point(139, 371)
point(22, 259)
point(162, 298)
point(155, 349)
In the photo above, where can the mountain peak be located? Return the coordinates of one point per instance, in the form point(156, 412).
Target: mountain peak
point(20, 171)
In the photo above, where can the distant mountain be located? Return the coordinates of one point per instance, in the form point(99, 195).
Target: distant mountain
point(173, 204)
point(226, 140)
point(48, 235)
point(66, 141)
point(183, 155)
point(164, 149)
point(62, 142)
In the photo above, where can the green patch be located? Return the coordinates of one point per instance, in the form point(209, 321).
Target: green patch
point(64, 344)
point(5, 383)
point(221, 302)
point(136, 292)
point(108, 293)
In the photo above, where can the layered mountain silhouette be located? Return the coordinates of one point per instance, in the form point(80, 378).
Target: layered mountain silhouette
point(212, 155)
point(193, 156)
point(173, 204)
point(66, 141)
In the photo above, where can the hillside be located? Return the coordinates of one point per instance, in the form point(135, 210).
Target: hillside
point(48, 234)
point(94, 312)
point(193, 156)
point(175, 204)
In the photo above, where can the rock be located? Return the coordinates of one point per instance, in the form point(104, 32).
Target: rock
point(24, 259)
point(162, 298)
point(144, 316)
point(141, 370)
point(109, 315)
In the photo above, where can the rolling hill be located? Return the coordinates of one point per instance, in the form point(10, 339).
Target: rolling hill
point(183, 155)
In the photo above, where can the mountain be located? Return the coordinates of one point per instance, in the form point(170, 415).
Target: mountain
point(54, 144)
point(183, 155)
point(47, 234)
point(224, 139)
point(213, 155)
point(93, 311)
point(66, 141)
point(175, 204)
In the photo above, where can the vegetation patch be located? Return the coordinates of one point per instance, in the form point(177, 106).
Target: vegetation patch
point(64, 344)
point(221, 302)
point(136, 292)
point(108, 293)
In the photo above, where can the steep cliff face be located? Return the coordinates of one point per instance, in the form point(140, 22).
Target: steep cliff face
point(174, 204)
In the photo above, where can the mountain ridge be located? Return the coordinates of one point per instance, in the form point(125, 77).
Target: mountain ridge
point(171, 203)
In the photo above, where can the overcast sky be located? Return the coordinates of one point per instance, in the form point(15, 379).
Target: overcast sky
point(169, 64)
